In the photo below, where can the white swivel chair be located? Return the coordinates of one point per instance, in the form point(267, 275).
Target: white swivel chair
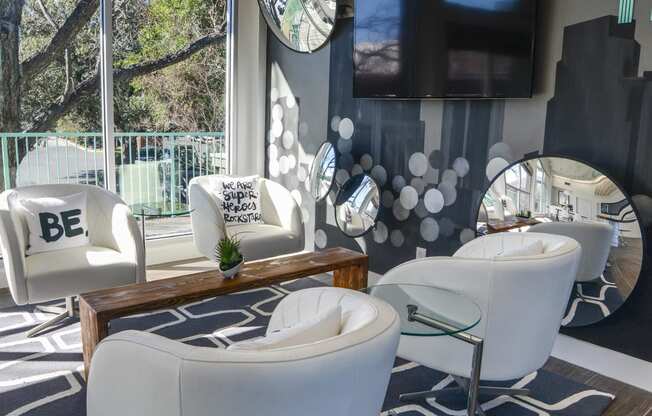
point(115, 256)
point(522, 299)
point(137, 373)
point(282, 231)
point(595, 239)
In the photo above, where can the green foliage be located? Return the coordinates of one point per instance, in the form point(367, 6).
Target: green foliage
point(227, 252)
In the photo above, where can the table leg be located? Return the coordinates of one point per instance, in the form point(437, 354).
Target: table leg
point(352, 277)
point(474, 382)
point(92, 332)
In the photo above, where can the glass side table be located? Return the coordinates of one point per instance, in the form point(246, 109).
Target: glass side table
point(148, 211)
point(427, 311)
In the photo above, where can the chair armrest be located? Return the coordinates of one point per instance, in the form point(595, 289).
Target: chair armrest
point(13, 252)
point(128, 238)
point(207, 219)
point(280, 208)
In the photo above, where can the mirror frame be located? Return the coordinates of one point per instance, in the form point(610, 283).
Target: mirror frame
point(337, 166)
point(373, 226)
point(644, 243)
point(281, 37)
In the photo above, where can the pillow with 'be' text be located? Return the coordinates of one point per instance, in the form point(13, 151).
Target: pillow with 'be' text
point(240, 199)
point(55, 223)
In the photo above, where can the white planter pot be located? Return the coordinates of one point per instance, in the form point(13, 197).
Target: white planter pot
point(233, 271)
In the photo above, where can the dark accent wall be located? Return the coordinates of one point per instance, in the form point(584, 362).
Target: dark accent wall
point(598, 109)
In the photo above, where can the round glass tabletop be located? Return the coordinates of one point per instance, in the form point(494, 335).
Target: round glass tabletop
point(159, 211)
point(428, 311)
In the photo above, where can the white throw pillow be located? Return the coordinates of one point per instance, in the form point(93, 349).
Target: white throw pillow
point(240, 200)
point(324, 325)
point(55, 223)
point(532, 249)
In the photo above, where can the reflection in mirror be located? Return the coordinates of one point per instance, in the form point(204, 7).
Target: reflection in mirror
point(322, 171)
point(302, 25)
point(356, 205)
point(562, 196)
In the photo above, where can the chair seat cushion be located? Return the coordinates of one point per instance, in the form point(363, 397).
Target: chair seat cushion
point(259, 241)
point(324, 325)
point(57, 274)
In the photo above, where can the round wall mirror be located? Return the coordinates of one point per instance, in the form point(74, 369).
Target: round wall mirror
point(322, 171)
point(356, 205)
point(302, 25)
point(562, 196)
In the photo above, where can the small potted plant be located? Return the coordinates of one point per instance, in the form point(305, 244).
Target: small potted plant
point(228, 256)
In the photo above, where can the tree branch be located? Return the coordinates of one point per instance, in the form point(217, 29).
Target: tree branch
point(84, 10)
point(48, 118)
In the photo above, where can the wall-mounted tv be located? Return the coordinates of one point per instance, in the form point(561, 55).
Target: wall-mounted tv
point(462, 49)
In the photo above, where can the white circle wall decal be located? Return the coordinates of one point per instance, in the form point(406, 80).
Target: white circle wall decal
point(433, 201)
point(387, 199)
point(346, 128)
point(277, 112)
point(421, 210)
point(341, 176)
point(303, 129)
point(297, 196)
point(272, 151)
point(301, 174)
point(501, 150)
point(366, 161)
point(418, 164)
point(273, 94)
point(293, 161)
point(436, 159)
point(344, 146)
point(284, 164)
point(429, 229)
point(290, 101)
point(448, 192)
point(418, 184)
point(356, 170)
point(274, 168)
point(288, 139)
point(321, 240)
point(306, 185)
point(379, 174)
point(449, 176)
point(277, 128)
point(398, 183)
point(495, 166)
point(431, 176)
point(397, 238)
point(461, 167)
point(409, 197)
point(335, 123)
point(467, 235)
point(380, 232)
point(399, 212)
point(446, 227)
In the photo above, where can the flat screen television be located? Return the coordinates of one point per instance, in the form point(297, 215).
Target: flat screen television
point(466, 49)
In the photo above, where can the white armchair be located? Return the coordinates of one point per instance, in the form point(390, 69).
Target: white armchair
point(136, 373)
point(114, 257)
point(595, 239)
point(522, 299)
point(282, 231)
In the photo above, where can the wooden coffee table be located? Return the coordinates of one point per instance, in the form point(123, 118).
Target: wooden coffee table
point(96, 309)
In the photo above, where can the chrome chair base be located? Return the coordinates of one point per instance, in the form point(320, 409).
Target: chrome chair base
point(69, 311)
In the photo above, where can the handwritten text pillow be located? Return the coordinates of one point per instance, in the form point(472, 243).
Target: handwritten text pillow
point(240, 199)
point(55, 223)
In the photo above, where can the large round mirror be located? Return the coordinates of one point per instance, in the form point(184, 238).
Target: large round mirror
point(356, 205)
point(302, 25)
point(563, 196)
point(322, 171)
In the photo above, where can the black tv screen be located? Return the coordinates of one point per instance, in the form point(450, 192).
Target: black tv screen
point(444, 48)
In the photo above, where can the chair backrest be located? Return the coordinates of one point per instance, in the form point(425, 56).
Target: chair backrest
point(526, 297)
point(100, 203)
point(595, 239)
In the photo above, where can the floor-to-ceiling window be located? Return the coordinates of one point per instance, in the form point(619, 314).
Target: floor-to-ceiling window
point(518, 184)
point(135, 101)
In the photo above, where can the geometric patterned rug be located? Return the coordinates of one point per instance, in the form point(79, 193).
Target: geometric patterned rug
point(592, 301)
point(41, 376)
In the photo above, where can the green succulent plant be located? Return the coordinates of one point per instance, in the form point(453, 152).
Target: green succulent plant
point(227, 252)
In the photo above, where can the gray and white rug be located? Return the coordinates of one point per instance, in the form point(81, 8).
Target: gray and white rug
point(41, 376)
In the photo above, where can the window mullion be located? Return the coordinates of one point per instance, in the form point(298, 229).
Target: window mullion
point(106, 92)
